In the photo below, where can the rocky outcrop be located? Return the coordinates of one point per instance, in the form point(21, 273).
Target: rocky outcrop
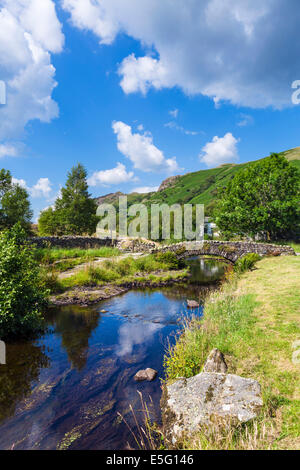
point(147, 374)
point(168, 183)
point(215, 362)
point(209, 398)
point(110, 198)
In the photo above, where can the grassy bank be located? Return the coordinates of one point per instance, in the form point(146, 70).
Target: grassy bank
point(52, 255)
point(158, 267)
point(254, 321)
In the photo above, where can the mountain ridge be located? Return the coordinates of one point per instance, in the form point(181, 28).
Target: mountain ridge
point(199, 187)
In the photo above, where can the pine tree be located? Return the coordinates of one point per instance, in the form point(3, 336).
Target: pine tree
point(75, 209)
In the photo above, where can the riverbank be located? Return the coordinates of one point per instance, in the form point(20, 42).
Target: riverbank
point(255, 321)
point(94, 282)
point(89, 295)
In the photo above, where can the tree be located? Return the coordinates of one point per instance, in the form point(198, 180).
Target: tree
point(22, 297)
point(16, 208)
point(75, 209)
point(15, 205)
point(48, 222)
point(262, 199)
point(5, 182)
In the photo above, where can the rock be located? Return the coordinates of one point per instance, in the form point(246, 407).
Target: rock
point(151, 374)
point(169, 182)
point(189, 404)
point(215, 362)
point(147, 374)
point(192, 304)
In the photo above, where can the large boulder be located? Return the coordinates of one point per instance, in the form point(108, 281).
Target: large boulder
point(209, 397)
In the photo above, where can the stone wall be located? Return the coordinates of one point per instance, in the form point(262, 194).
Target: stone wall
point(71, 242)
point(228, 250)
point(137, 245)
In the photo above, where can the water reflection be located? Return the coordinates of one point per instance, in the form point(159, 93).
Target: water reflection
point(75, 325)
point(23, 365)
point(131, 335)
point(64, 391)
point(206, 270)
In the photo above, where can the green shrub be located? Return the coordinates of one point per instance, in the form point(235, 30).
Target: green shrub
point(22, 295)
point(169, 258)
point(49, 280)
point(246, 263)
point(102, 275)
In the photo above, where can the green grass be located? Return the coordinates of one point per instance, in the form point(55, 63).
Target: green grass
point(254, 321)
point(199, 187)
point(52, 255)
point(160, 266)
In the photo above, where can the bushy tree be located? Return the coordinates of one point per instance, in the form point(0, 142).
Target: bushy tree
point(14, 203)
point(75, 210)
point(48, 222)
point(22, 298)
point(262, 199)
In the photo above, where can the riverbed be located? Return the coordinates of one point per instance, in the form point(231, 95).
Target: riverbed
point(68, 389)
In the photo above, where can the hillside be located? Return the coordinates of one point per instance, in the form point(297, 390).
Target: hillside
point(199, 187)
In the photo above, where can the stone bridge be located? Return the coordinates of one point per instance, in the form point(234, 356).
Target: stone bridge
point(231, 251)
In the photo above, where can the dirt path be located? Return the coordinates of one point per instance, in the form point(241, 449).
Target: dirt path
point(96, 263)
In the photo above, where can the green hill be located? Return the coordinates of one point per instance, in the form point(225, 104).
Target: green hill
point(200, 187)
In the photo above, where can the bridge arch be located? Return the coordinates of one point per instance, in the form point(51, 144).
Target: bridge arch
point(230, 251)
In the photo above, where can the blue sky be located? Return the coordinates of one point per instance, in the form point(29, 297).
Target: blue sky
point(143, 92)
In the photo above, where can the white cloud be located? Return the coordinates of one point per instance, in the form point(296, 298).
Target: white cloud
point(145, 189)
point(7, 150)
point(220, 150)
point(89, 15)
point(41, 189)
point(139, 148)
point(29, 32)
point(217, 48)
point(175, 126)
point(174, 113)
point(116, 175)
point(245, 120)
point(20, 182)
point(141, 74)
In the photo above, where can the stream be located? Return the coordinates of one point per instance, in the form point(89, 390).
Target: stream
point(65, 390)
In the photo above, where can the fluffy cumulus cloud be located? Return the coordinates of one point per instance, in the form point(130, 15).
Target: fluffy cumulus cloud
point(140, 149)
point(225, 49)
point(41, 189)
point(20, 182)
point(140, 74)
point(220, 150)
point(29, 32)
point(116, 175)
